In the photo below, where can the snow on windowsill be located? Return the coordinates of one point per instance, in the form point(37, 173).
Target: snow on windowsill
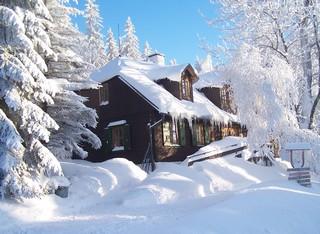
point(118, 148)
point(116, 123)
point(104, 103)
point(171, 145)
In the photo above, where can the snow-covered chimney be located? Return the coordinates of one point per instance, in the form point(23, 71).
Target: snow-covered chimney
point(157, 58)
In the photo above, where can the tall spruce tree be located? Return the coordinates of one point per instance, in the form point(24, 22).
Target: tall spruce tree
point(24, 91)
point(130, 42)
point(96, 52)
point(71, 74)
point(112, 48)
point(147, 50)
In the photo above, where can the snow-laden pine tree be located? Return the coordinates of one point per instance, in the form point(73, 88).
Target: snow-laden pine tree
point(96, 51)
point(71, 73)
point(287, 29)
point(130, 42)
point(112, 48)
point(147, 50)
point(24, 92)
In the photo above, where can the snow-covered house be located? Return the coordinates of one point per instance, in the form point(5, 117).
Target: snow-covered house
point(135, 95)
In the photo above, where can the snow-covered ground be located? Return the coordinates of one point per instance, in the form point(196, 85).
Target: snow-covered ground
point(225, 195)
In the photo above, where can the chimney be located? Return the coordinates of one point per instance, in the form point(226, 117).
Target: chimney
point(157, 58)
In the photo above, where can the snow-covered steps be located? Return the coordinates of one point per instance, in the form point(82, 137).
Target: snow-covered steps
point(227, 146)
point(301, 175)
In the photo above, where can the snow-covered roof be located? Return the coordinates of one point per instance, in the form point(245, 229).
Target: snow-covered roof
point(210, 79)
point(140, 77)
point(151, 70)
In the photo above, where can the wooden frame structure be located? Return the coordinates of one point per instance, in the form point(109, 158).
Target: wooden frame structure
point(298, 146)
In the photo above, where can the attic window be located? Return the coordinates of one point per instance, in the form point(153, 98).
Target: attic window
point(104, 94)
point(186, 86)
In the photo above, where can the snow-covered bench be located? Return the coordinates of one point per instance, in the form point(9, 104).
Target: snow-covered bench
point(227, 146)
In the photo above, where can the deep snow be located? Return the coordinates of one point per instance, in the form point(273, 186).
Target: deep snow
point(224, 195)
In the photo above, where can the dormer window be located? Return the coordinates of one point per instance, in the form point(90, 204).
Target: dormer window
point(186, 86)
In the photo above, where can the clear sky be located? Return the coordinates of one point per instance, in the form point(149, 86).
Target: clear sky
point(170, 26)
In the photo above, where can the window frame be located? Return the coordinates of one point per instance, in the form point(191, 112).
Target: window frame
point(173, 136)
point(118, 138)
point(198, 137)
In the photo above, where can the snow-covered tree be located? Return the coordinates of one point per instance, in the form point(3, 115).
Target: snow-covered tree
point(173, 61)
point(130, 42)
point(71, 73)
point(205, 65)
point(24, 91)
point(147, 50)
point(96, 51)
point(112, 48)
point(265, 92)
point(287, 29)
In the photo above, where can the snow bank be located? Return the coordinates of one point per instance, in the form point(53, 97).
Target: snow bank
point(116, 196)
point(91, 182)
point(171, 183)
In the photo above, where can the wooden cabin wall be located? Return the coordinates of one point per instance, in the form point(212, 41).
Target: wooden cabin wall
point(171, 86)
point(92, 95)
point(213, 94)
point(172, 153)
point(124, 104)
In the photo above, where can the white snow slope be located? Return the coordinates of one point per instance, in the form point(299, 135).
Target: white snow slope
point(225, 195)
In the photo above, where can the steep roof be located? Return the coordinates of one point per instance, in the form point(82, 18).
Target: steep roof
point(140, 76)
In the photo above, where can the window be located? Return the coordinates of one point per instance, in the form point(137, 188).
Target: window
point(198, 137)
point(200, 134)
point(118, 136)
point(182, 132)
point(186, 88)
point(208, 133)
point(170, 134)
point(104, 94)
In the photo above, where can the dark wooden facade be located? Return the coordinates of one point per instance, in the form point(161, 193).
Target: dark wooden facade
point(128, 105)
point(213, 94)
point(222, 97)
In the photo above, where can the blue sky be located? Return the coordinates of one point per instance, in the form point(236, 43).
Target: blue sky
point(170, 26)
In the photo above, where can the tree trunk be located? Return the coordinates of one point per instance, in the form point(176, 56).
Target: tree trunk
point(316, 101)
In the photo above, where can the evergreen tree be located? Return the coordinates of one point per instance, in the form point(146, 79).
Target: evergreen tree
point(72, 74)
point(130, 42)
point(205, 65)
point(113, 50)
point(147, 50)
point(24, 90)
point(96, 52)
